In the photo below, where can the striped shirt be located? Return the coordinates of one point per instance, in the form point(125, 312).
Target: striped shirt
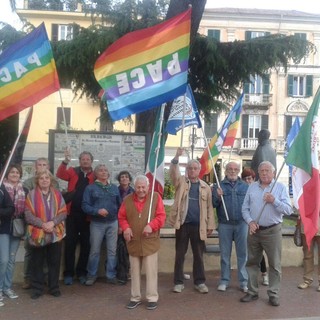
point(272, 212)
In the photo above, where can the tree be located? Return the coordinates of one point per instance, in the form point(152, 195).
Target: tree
point(217, 70)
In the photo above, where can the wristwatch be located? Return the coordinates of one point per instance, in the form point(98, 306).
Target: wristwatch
point(174, 161)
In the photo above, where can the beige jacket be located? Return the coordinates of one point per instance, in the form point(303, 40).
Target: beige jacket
point(179, 208)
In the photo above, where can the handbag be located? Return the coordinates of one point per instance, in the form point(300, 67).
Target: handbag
point(18, 227)
point(297, 237)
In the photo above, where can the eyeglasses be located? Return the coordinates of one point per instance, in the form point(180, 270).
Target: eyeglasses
point(233, 169)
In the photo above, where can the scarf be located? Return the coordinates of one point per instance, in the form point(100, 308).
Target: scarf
point(45, 208)
point(17, 196)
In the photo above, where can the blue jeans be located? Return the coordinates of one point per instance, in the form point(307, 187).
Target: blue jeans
point(227, 234)
point(9, 246)
point(99, 230)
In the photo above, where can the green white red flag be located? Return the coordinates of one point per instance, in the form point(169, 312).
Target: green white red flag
point(156, 170)
point(303, 156)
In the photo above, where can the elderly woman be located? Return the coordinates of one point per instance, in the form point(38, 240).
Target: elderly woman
point(12, 204)
point(45, 213)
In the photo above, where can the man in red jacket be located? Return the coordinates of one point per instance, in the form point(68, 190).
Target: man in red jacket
point(77, 224)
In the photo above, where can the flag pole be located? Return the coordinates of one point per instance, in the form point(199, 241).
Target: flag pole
point(14, 148)
point(264, 204)
point(215, 172)
point(156, 160)
point(183, 119)
point(64, 119)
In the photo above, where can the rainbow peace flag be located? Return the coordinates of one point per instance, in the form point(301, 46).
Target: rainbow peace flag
point(146, 68)
point(27, 73)
point(223, 138)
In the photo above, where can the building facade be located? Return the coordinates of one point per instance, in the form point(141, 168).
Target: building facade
point(272, 104)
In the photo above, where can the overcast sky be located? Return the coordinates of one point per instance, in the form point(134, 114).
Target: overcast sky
point(312, 6)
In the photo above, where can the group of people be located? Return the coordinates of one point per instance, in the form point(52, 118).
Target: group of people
point(249, 213)
point(92, 209)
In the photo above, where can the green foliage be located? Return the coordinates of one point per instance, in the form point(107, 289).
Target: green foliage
point(57, 5)
point(168, 186)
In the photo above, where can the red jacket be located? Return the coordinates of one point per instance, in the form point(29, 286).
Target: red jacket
point(70, 174)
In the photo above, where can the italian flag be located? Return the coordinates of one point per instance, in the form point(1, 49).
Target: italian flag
point(303, 156)
point(155, 165)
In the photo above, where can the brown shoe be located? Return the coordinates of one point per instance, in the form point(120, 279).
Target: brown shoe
point(27, 284)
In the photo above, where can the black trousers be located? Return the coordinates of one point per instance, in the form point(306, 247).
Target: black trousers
point(51, 254)
point(186, 233)
point(77, 230)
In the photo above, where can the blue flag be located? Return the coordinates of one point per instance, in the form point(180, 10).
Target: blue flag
point(191, 114)
point(290, 138)
point(292, 135)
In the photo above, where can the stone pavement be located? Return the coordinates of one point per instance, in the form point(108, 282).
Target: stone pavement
point(105, 301)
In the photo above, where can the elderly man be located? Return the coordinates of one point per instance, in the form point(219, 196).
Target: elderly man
point(192, 217)
point(142, 235)
point(231, 227)
point(264, 205)
point(77, 224)
point(101, 202)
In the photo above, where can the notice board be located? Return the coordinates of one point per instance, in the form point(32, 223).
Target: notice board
point(118, 151)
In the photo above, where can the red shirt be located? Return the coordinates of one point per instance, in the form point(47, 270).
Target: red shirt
point(156, 223)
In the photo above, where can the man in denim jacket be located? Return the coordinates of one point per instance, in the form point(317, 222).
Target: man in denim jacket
point(231, 227)
point(101, 201)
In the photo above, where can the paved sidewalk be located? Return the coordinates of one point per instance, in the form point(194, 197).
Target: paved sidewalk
point(105, 301)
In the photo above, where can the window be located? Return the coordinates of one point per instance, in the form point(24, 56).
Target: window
point(252, 124)
point(257, 85)
point(255, 34)
point(300, 86)
point(62, 32)
point(215, 34)
point(211, 126)
point(60, 119)
point(302, 36)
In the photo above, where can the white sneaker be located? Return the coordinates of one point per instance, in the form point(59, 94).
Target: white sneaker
point(1, 304)
point(222, 287)
point(265, 280)
point(244, 289)
point(1, 296)
point(10, 294)
point(202, 288)
point(178, 288)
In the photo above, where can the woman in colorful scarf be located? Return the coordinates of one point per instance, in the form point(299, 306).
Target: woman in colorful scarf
point(45, 213)
point(12, 204)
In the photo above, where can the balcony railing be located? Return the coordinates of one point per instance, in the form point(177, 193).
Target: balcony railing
point(257, 99)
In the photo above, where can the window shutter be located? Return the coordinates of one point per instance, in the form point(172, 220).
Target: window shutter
point(215, 34)
point(245, 124)
point(309, 86)
point(248, 35)
point(246, 87)
point(290, 85)
point(264, 121)
point(266, 85)
point(67, 112)
point(267, 34)
point(54, 32)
